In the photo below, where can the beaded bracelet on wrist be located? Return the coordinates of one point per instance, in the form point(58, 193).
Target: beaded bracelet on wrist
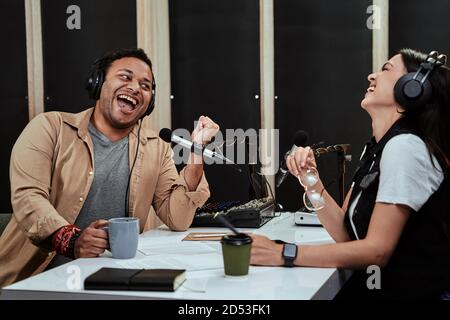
point(61, 242)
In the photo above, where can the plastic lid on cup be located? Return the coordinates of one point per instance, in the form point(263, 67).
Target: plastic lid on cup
point(237, 240)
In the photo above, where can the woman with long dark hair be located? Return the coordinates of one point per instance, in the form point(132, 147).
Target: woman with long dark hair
point(396, 214)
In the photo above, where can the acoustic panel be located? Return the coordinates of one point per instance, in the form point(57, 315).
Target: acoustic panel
point(13, 88)
point(74, 34)
point(215, 72)
point(322, 59)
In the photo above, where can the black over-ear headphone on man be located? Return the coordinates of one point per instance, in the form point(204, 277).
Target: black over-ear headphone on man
point(414, 89)
point(97, 77)
point(94, 84)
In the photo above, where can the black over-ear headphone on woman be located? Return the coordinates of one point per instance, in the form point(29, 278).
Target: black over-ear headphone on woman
point(414, 89)
point(97, 77)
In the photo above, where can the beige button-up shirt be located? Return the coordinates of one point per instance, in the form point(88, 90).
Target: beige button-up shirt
point(51, 172)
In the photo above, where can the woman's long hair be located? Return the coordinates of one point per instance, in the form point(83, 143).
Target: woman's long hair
point(432, 120)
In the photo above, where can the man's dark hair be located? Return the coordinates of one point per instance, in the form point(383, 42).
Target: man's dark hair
point(100, 67)
point(103, 63)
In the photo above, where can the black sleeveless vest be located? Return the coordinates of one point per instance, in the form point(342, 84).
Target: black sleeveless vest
point(420, 264)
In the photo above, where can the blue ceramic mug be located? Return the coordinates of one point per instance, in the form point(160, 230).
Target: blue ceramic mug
point(123, 234)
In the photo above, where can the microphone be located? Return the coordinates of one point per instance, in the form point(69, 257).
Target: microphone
point(300, 139)
point(167, 135)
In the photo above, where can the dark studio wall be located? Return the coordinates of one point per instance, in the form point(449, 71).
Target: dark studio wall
point(421, 25)
point(13, 88)
point(323, 54)
point(68, 54)
point(215, 72)
point(67, 57)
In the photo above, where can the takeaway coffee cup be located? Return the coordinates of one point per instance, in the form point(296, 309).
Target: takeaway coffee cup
point(123, 234)
point(236, 254)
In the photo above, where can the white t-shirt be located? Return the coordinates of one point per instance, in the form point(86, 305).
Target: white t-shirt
point(407, 175)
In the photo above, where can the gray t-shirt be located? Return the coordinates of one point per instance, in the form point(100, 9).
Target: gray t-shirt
point(407, 175)
point(106, 198)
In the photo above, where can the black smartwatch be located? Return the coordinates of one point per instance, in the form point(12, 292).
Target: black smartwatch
point(289, 253)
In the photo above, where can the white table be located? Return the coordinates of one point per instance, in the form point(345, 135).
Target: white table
point(205, 276)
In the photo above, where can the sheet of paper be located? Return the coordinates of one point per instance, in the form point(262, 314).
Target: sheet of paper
point(144, 264)
point(195, 285)
point(179, 248)
point(196, 262)
point(166, 239)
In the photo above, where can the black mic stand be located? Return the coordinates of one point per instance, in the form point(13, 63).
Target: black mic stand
point(259, 187)
point(343, 156)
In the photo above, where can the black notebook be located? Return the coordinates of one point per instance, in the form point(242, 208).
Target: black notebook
point(135, 279)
